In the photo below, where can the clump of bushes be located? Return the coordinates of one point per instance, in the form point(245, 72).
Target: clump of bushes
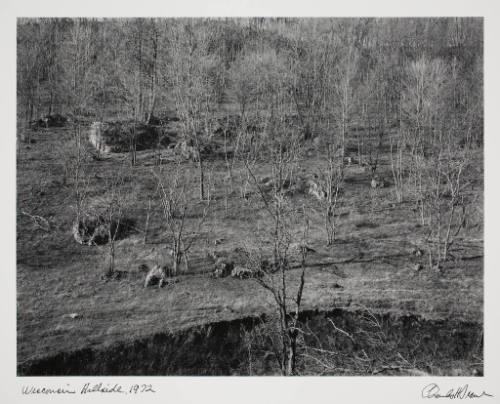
point(50, 121)
point(94, 230)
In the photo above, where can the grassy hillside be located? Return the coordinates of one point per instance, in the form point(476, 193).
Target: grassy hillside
point(370, 265)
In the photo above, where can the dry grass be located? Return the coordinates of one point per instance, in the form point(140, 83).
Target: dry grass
point(371, 259)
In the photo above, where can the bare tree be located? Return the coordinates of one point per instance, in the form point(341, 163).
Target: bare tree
point(79, 173)
point(192, 76)
point(345, 72)
point(438, 166)
point(80, 38)
point(285, 246)
point(274, 278)
point(332, 178)
point(174, 198)
point(114, 218)
point(446, 198)
point(422, 101)
point(399, 163)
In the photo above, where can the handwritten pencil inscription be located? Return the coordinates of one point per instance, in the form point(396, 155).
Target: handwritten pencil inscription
point(88, 388)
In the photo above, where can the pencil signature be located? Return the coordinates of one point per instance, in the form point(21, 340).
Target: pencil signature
point(433, 391)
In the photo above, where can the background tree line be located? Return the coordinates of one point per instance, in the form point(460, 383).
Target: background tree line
point(351, 68)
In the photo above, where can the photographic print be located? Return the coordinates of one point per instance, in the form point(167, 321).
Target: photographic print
point(250, 196)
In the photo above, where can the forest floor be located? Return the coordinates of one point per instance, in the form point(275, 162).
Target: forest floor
point(369, 266)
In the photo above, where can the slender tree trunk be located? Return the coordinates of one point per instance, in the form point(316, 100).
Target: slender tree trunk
point(139, 109)
point(448, 231)
point(292, 354)
point(152, 100)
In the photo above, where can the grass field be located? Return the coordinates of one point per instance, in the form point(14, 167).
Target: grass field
point(369, 266)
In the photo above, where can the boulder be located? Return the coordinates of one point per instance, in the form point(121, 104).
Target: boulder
point(317, 141)
point(218, 241)
point(316, 190)
point(223, 268)
point(96, 139)
point(299, 248)
point(186, 151)
point(265, 180)
point(351, 161)
point(417, 252)
point(90, 231)
point(245, 273)
point(377, 182)
point(158, 275)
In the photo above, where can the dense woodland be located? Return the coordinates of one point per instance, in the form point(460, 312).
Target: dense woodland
point(342, 70)
point(288, 107)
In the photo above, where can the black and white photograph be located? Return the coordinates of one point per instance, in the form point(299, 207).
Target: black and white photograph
point(250, 196)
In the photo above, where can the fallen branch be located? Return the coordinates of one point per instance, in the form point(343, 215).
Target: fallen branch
point(340, 330)
point(38, 221)
point(384, 368)
point(472, 257)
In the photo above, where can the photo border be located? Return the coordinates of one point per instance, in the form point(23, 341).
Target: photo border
point(253, 390)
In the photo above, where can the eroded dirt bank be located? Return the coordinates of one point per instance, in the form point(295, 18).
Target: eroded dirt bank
point(370, 344)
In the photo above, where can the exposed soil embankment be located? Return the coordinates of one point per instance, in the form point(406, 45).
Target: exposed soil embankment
point(371, 344)
point(120, 137)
